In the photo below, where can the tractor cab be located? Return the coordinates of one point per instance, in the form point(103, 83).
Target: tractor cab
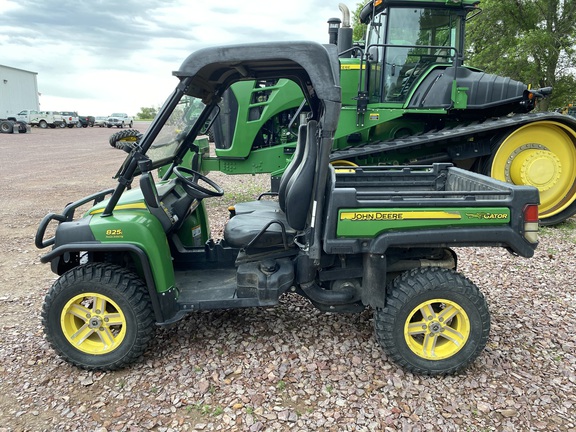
point(407, 39)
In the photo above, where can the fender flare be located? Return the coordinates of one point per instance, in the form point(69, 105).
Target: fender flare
point(57, 252)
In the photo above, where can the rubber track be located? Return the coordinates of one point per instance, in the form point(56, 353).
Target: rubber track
point(450, 133)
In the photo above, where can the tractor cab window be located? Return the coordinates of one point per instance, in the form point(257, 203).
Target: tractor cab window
point(405, 43)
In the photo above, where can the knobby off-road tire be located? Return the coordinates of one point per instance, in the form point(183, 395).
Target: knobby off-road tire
point(98, 317)
point(119, 139)
point(435, 322)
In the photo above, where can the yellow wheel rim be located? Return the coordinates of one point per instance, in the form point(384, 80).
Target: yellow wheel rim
point(342, 162)
point(543, 155)
point(340, 165)
point(437, 329)
point(93, 323)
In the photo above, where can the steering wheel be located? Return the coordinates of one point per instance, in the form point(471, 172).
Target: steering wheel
point(190, 179)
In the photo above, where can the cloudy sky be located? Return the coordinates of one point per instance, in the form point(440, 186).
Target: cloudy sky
point(100, 56)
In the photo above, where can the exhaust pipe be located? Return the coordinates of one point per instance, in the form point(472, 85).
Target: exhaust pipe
point(345, 14)
point(345, 36)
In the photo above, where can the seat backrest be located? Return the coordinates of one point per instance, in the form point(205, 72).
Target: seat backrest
point(293, 165)
point(298, 193)
point(150, 194)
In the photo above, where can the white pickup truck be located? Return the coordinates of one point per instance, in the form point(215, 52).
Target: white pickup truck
point(42, 119)
point(70, 118)
point(119, 120)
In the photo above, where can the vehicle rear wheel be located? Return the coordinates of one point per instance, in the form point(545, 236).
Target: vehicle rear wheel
point(42, 124)
point(63, 125)
point(435, 322)
point(98, 317)
point(540, 154)
point(127, 136)
point(6, 127)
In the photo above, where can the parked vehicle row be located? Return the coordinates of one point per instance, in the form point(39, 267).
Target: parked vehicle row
point(63, 119)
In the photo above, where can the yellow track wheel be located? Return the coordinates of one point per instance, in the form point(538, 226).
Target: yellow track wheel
point(541, 154)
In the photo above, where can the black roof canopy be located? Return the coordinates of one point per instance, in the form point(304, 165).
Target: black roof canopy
point(313, 66)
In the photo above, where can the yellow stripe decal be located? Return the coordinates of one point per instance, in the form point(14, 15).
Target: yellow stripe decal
point(136, 206)
point(351, 67)
point(411, 215)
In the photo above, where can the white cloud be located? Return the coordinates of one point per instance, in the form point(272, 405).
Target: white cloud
point(100, 56)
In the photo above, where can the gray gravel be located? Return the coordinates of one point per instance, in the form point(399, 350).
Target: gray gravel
point(286, 368)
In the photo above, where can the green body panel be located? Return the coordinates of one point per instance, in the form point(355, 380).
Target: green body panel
point(266, 160)
point(349, 79)
point(195, 230)
point(264, 102)
point(371, 222)
point(133, 224)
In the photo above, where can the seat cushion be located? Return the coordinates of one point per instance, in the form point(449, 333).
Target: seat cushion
point(259, 205)
point(243, 228)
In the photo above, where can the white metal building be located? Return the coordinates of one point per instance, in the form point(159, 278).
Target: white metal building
point(18, 91)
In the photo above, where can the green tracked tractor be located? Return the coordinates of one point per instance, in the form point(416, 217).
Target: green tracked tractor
point(407, 98)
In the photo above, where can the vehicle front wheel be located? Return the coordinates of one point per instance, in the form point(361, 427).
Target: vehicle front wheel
point(42, 124)
point(98, 317)
point(435, 322)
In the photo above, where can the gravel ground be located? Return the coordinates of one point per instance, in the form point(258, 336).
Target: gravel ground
point(286, 368)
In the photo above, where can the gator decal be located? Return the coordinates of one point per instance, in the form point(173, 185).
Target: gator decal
point(369, 222)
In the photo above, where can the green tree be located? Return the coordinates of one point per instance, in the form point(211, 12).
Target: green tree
point(528, 40)
point(147, 113)
point(359, 29)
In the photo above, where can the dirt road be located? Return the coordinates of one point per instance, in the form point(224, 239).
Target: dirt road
point(285, 368)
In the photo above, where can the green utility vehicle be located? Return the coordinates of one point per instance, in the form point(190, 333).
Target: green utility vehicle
point(345, 239)
point(408, 98)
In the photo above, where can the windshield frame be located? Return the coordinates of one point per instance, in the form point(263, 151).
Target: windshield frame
point(129, 167)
